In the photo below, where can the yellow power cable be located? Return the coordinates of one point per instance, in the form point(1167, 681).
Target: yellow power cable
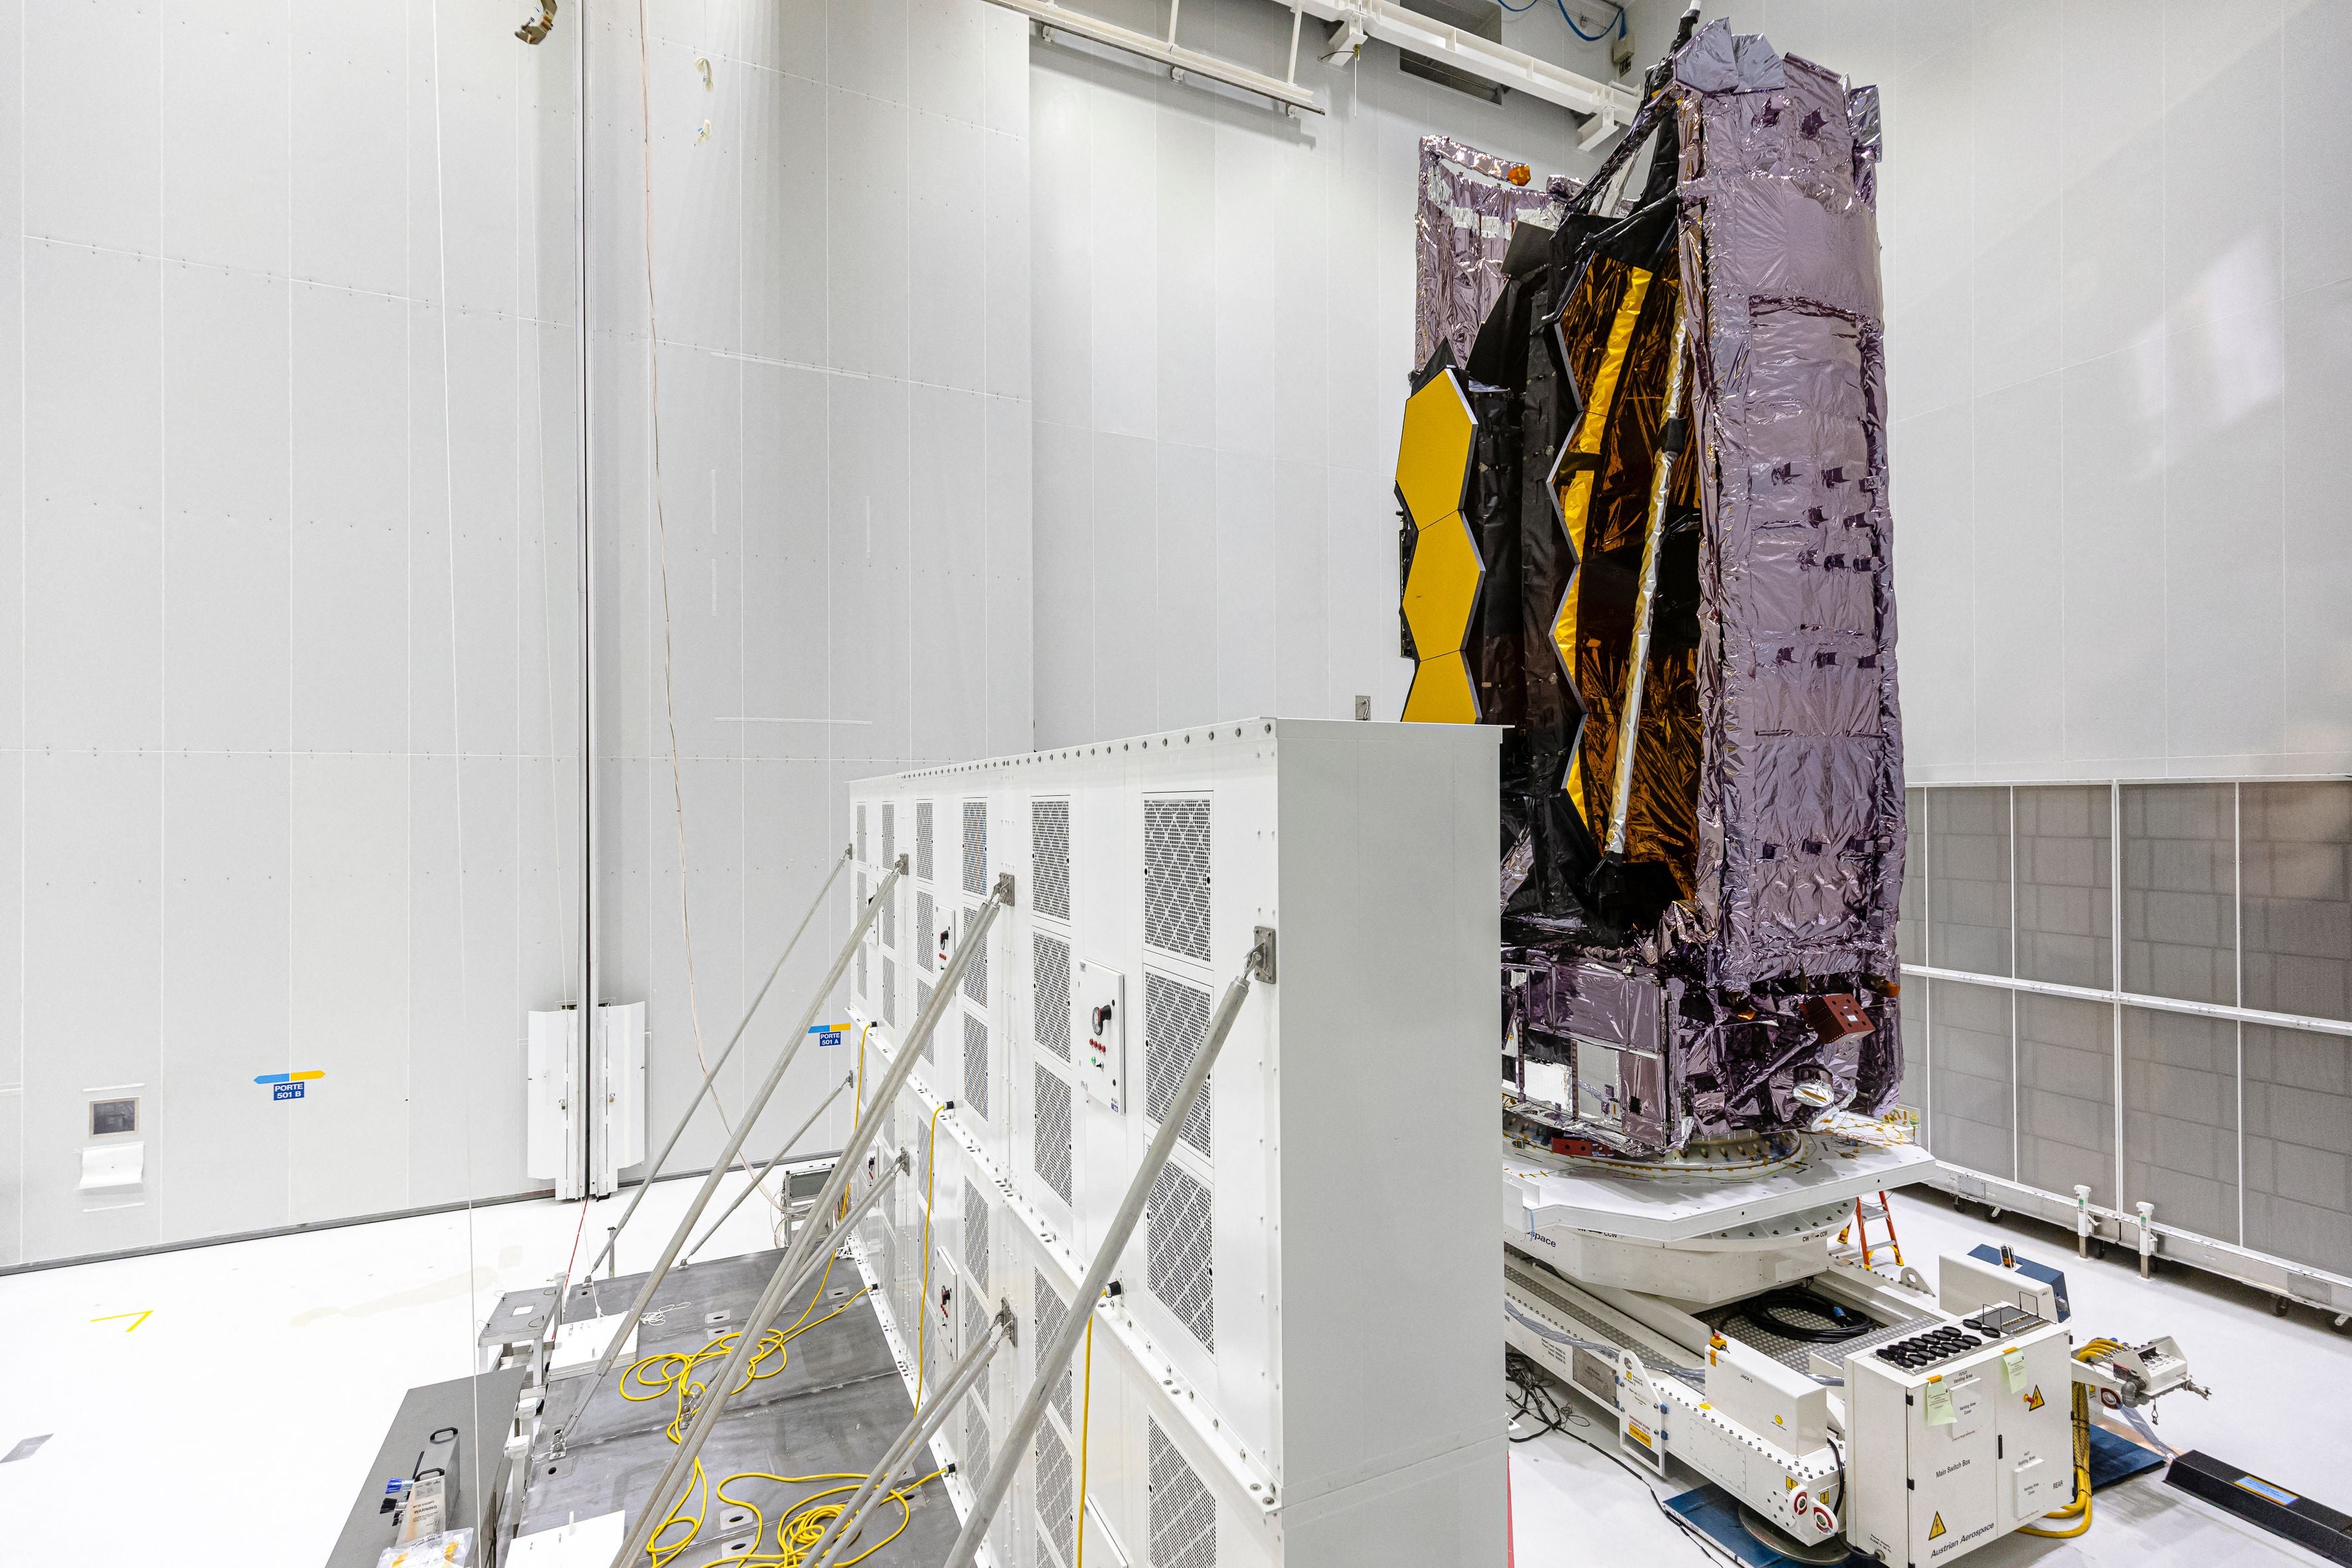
point(923, 1306)
point(2079, 1510)
point(1086, 1426)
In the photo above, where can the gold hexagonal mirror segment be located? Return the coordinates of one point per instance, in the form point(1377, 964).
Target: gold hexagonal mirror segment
point(1442, 588)
point(1433, 452)
point(1442, 692)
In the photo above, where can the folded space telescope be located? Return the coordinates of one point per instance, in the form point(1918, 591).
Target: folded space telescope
point(1645, 528)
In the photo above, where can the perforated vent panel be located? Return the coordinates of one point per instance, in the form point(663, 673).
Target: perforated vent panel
point(975, 1324)
point(975, 1440)
point(1179, 1252)
point(1051, 1316)
point(926, 931)
point(1183, 1516)
point(861, 970)
point(975, 847)
point(1051, 1130)
point(890, 918)
point(1049, 967)
point(923, 839)
point(975, 975)
point(1056, 1518)
point(923, 1005)
point(1176, 876)
point(975, 1235)
point(1175, 1028)
point(1049, 857)
point(889, 833)
point(861, 830)
point(975, 1065)
point(890, 991)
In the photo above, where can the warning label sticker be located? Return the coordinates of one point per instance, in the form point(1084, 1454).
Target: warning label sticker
point(2033, 1400)
point(1937, 1527)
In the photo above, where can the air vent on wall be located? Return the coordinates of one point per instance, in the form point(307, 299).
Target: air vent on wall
point(975, 1235)
point(1180, 1250)
point(1050, 1130)
point(926, 931)
point(975, 974)
point(889, 991)
point(1049, 858)
point(1051, 1315)
point(923, 1005)
point(974, 1457)
point(889, 833)
point(975, 847)
point(975, 1065)
point(975, 1324)
point(861, 832)
point(923, 839)
point(861, 970)
point(1049, 967)
point(890, 918)
point(1056, 1518)
point(1175, 1028)
point(1176, 876)
point(1183, 1515)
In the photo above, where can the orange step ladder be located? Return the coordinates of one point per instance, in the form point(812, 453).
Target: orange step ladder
point(1864, 1213)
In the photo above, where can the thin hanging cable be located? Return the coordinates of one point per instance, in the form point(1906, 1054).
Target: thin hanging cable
point(661, 534)
point(457, 746)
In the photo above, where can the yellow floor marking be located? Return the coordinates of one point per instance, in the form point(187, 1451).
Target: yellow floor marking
point(115, 1316)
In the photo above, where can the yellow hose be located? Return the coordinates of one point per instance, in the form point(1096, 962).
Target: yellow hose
point(2079, 1510)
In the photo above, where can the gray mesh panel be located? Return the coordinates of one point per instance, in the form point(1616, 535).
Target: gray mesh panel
point(923, 839)
point(1050, 1132)
point(2180, 1120)
point(2066, 1100)
point(1911, 922)
point(890, 918)
point(889, 991)
point(1175, 1028)
point(1056, 1515)
point(1049, 970)
point(975, 1324)
point(2066, 900)
point(861, 830)
point(1968, 1092)
point(1049, 858)
point(975, 974)
point(1180, 1250)
point(975, 1065)
point(1967, 879)
point(975, 1440)
point(923, 1005)
point(975, 1235)
point(2181, 928)
point(975, 847)
point(2295, 841)
point(889, 833)
point(1182, 1514)
point(2299, 1145)
point(1176, 876)
point(927, 932)
point(1051, 1316)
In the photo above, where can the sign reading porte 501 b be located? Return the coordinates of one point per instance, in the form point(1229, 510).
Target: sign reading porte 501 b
point(287, 1085)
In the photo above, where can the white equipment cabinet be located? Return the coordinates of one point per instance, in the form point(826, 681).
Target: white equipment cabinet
point(1984, 1437)
point(1299, 1365)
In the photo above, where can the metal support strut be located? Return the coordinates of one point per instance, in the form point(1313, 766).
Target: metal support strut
point(910, 1442)
point(804, 1248)
point(782, 1150)
point(1055, 1359)
point(711, 1076)
point(1662, 476)
point(718, 1166)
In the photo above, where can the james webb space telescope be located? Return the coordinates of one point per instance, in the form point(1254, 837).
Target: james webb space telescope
point(1645, 529)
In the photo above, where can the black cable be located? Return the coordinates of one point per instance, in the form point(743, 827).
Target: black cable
point(1768, 1312)
point(1532, 1386)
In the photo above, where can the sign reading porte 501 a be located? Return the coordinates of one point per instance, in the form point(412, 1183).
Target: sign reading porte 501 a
point(287, 1085)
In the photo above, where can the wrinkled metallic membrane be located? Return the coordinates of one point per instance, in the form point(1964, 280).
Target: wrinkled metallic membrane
point(1765, 831)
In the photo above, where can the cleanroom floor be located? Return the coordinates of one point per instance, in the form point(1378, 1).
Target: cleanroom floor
point(233, 1423)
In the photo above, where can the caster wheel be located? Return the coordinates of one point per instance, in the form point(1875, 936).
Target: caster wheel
point(2278, 1307)
point(1832, 1551)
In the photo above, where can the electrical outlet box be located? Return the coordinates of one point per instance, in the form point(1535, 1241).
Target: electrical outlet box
point(1101, 996)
